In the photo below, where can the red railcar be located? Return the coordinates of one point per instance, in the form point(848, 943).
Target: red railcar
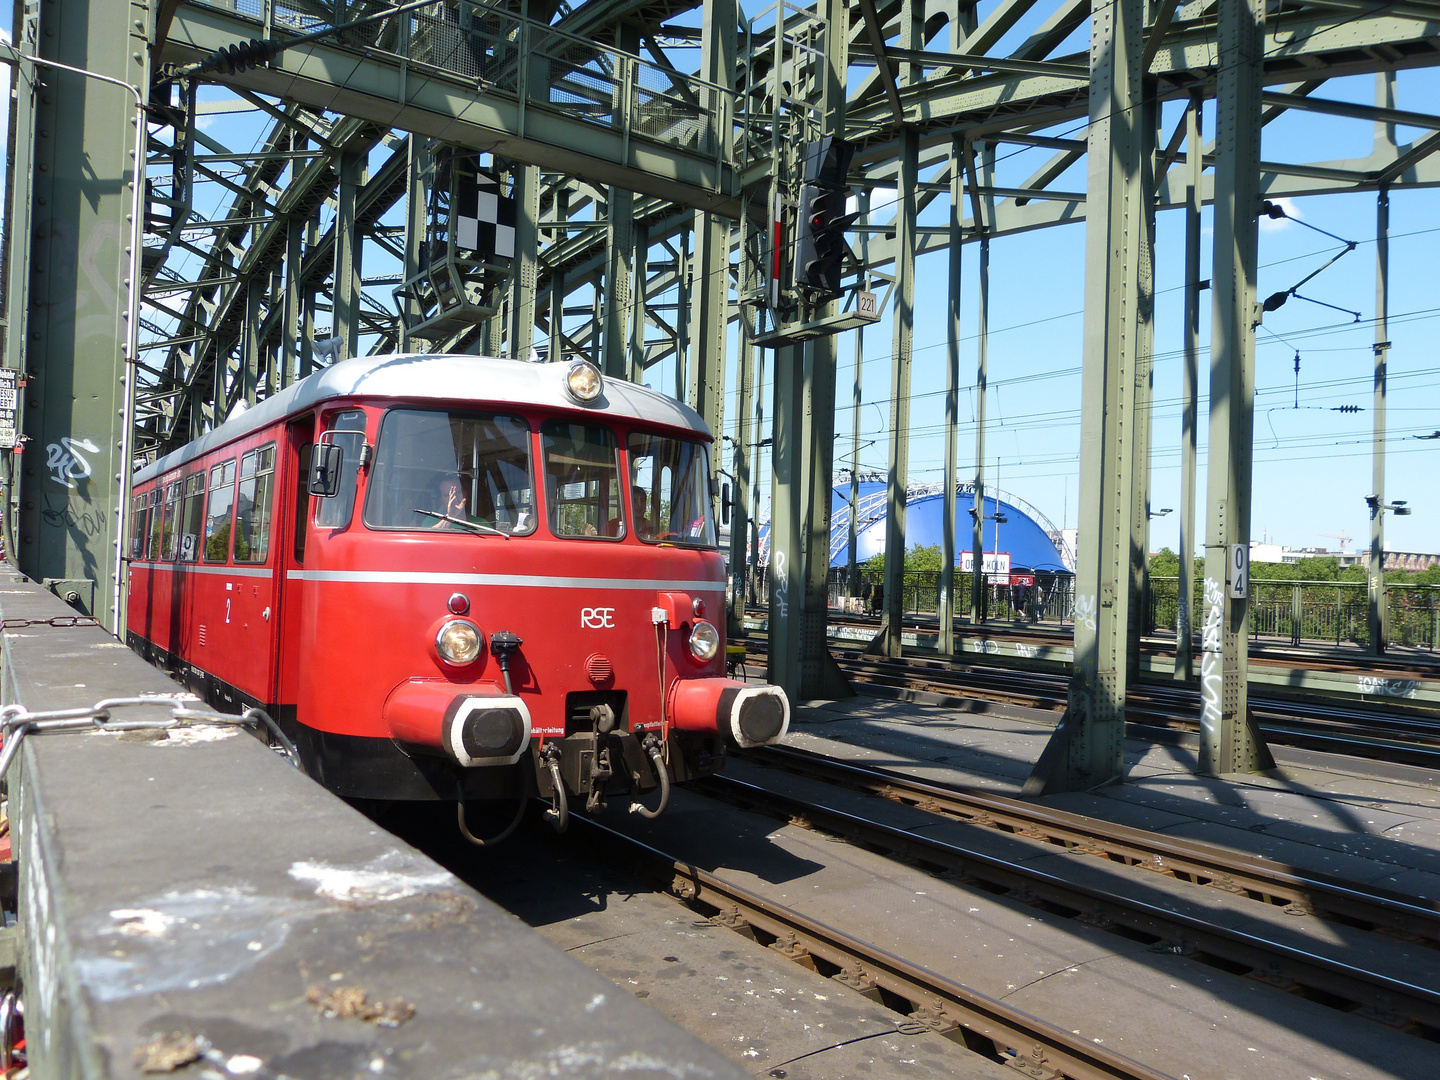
point(452, 577)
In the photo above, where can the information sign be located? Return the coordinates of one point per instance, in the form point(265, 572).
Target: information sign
point(9, 393)
point(1239, 571)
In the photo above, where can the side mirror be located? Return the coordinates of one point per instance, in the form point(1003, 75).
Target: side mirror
point(724, 504)
point(325, 459)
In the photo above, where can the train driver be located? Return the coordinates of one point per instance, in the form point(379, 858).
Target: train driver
point(448, 498)
point(642, 518)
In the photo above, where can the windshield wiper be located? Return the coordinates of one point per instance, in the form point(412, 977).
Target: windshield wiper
point(473, 526)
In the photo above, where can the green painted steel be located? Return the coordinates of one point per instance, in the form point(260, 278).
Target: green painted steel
point(952, 400)
point(1189, 393)
point(73, 481)
point(1378, 614)
point(1229, 740)
point(666, 145)
point(1088, 750)
point(525, 274)
point(1142, 362)
point(787, 561)
point(903, 321)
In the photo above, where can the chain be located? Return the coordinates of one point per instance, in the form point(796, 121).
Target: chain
point(57, 621)
point(16, 722)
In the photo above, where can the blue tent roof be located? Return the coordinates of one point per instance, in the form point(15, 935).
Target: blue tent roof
point(1029, 545)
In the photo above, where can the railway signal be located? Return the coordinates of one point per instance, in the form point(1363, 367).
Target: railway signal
point(820, 238)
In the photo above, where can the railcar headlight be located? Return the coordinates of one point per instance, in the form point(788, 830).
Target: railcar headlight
point(583, 381)
point(459, 642)
point(704, 641)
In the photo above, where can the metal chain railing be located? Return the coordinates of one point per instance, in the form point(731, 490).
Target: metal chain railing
point(17, 722)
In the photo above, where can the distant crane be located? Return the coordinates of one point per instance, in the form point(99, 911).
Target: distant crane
point(1343, 537)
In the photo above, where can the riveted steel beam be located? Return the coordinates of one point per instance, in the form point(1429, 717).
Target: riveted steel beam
point(80, 276)
point(1087, 749)
point(471, 112)
point(1229, 740)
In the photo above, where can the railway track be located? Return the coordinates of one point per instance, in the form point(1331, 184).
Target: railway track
point(1295, 967)
point(1394, 667)
point(929, 1001)
point(1261, 880)
point(1408, 736)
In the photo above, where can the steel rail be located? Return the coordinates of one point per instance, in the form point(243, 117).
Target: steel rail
point(1034, 1046)
point(1261, 653)
point(1301, 893)
point(1383, 997)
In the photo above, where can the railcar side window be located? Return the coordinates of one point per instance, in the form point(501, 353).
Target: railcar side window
point(217, 521)
point(347, 432)
point(172, 511)
point(252, 505)
point(669, 490)
point(157, 517)
point(302, 503)
point(192, 516)
point(472, 467)
point(582, 480)
point(140, 526)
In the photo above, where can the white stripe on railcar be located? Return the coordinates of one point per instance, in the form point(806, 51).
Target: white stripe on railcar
point(523, 581)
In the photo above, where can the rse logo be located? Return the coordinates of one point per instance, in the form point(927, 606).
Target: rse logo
point(597, 618)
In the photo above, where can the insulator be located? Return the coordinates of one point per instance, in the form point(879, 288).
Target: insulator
point(247, 54)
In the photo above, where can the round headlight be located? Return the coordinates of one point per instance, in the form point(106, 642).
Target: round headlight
point(459, 642)
point(704, 641)
point(583, 381)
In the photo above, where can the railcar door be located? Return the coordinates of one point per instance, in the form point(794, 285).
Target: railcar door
point(290, 562)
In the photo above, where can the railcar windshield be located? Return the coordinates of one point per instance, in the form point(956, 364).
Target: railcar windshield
point(670, 490)
point(470, 467)
point(582, 480)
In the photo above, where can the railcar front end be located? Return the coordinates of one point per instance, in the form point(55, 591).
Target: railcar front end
point(488, 580)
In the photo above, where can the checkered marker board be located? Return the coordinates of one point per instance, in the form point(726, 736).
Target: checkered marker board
point(484, 219)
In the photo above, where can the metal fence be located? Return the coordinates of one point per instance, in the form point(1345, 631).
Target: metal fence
point(494, 51)
point(1051, 600)
point(1294, 611)
point(1315, 611)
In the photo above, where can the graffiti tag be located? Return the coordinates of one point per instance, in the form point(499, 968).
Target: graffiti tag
point(1085, 611)
point(66, 462)
point(88, 522)
point(780, 586)
point(1211, 642)
point(1382, 687)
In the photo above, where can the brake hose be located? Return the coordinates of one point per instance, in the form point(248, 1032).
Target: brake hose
point(503, 835)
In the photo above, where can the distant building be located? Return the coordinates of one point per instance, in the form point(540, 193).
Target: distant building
point(1414, 561)
point(1022, 541)
point(1276, 553)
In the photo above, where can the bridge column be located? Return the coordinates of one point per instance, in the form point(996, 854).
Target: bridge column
point(345, 324)
point(527, 261)
point(903, 319)
point(419, 178)
point(952, 400)
point(79, 275)
point(1189, 407)
point(619, 283)
point(1229, 741)
point(1087, 750)
point(710, 291)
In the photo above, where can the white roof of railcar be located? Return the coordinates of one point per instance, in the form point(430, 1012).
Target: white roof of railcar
point(430, 377)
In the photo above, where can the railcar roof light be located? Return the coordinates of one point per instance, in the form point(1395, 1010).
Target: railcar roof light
point(583, 381)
